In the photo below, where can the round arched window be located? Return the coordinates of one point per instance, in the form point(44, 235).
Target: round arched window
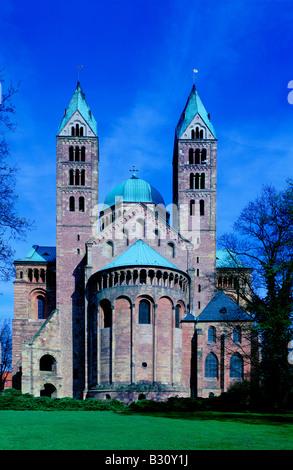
point(48, 363)
point(144, 312)
point(41, 307)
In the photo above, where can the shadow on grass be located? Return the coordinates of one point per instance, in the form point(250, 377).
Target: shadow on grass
point(246, 418)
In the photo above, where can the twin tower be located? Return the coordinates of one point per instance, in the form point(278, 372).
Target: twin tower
point(113, 311)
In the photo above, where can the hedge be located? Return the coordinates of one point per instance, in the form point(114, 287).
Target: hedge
point(12, 399)
point(238, 398)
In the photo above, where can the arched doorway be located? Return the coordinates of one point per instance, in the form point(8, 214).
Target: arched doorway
point(48, 391)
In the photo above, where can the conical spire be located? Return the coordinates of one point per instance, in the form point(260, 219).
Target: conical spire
point(193, 106)
point(78, 103)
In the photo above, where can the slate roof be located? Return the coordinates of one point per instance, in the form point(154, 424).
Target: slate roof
point(222, 308)
point(193, 106)
point(78, 103)
point(140, 254)
point(134, 190)
point(189, 317)
point(40, 254)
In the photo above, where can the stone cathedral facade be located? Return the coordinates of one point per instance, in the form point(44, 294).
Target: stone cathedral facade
point(129, 305)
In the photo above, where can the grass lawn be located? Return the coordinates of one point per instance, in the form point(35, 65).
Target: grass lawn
point(107, 430)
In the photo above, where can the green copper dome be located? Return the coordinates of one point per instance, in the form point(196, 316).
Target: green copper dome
point(134, 190)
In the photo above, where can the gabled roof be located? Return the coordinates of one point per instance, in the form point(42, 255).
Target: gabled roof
point(79, 103)
point(222, 308)
point(228, 259)
point(39, 254)
point(129, 212)
point(193, 106)
point(140, 254)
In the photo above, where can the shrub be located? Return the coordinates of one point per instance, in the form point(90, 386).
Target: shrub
point(242, 396)
point(187, 404)
point(116, 405)
point(68, 403)
point(12, 392)
point(172, 404)
point(12, 399)
point(147, 405)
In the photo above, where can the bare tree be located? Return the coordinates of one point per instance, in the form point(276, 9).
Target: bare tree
point(12, 226)
point(5, 351)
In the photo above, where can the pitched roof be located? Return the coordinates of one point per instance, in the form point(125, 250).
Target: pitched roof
point(189, 317)
point(228, 259)
point(129, 214)
point(40, 254)
point(222, 308)
point(78, 103)
point(193, 106)
point(140, 254)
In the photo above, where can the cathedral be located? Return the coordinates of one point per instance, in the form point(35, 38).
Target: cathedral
point(130, 304)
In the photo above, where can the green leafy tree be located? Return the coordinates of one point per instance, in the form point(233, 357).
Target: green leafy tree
point(263, 238)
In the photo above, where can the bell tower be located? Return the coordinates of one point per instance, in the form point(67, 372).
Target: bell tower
point(77, 195)
point(195, 195)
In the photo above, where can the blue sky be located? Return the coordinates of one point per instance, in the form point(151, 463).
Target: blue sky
point(137, 59)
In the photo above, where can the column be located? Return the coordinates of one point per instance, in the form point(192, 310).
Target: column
point(132, 343)
point(155, 343)
point(113, 351)
point(98, 343)
point(172, 345)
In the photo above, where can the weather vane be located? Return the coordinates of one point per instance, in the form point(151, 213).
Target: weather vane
point(78, 70)
point(134, 170)
point(194, 74)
